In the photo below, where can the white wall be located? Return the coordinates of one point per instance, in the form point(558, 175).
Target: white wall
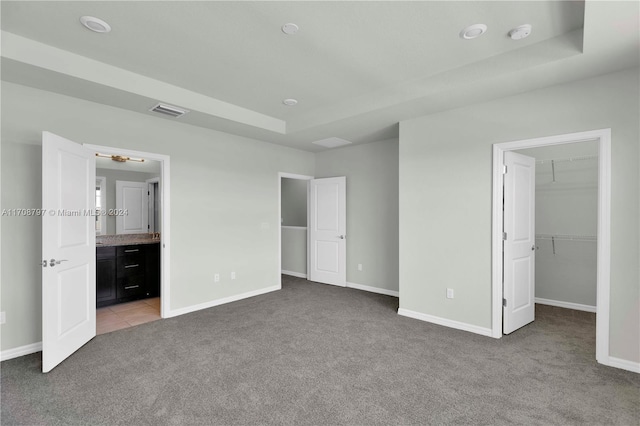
point(372, 209)
point(445, 197)
point(224, 200)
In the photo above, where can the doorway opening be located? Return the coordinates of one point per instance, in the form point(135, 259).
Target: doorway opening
point(134, 253)
point(602, 140)
point(294, 217)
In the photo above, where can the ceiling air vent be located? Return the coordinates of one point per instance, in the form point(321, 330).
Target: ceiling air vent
point(332, 142)
point(169, 110)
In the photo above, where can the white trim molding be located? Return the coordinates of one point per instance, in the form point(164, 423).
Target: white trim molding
point(20, 351)
point(370, 289)
point(224, 300)
point(567, 305)
point(294, 274)
point(483, 331)
point(603, 136)
point(624, 364)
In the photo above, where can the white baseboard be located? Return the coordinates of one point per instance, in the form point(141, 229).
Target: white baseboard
point(446, 322)
point(567, 305)
point(218, 302)
point(294, 274)
point(20, 351)
point(624, 364)
point(373, 289)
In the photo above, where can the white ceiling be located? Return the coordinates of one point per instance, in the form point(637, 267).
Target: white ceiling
point(356, 68)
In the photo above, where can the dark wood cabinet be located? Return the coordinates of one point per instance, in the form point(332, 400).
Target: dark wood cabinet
point(126, 273)
point(152, 270)
point(105, 275)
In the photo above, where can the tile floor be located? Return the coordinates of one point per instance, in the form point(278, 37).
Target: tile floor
point(124, 315)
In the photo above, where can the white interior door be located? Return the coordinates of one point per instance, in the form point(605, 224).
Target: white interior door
point(519, 241)
point(132, 205)
point(328, 230)
point(68, 248)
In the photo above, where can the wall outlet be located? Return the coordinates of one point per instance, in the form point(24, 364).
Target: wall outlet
point(233, 275)
point(359, 266)
point(216, 278)
point(449, 293)
point(3, 318)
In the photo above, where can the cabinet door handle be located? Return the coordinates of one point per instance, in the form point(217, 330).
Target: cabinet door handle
point(131, 266)
point(132, 251)
point(131, 286)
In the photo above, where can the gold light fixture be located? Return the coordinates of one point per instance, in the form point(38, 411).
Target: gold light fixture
point(120, 158)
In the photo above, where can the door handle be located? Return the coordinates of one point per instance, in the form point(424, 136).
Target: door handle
point(342, 237)
point(54, 262)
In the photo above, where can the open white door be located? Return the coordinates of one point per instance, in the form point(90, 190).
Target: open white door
point(132, 197)
point(68, 248)
point(519, 241)
point(327, 230)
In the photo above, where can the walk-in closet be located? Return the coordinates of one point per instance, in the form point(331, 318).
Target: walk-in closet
point(566, 225)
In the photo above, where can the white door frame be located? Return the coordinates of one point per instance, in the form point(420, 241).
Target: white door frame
point(603, 136)
point(165, 232)
point(149, 182)
point(290, 176)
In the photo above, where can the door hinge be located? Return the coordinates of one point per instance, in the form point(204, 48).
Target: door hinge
point(504, 236)
point(504, 302)
point(504, 169)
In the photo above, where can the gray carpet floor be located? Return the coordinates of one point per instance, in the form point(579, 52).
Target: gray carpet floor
point(318, 354)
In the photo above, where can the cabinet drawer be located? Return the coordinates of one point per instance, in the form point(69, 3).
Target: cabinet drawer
point(105, 252)
point(129, 250)
point(130, 265)
point(130, 286)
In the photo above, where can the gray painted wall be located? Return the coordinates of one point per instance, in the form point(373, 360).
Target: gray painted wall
point(294, 202)
point(112, 176)
point(224, 200)
point(567, 206)
point(372, 209)
point(445, 196)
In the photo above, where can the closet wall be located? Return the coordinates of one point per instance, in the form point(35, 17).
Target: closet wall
point(294, 226)
point(566, 224)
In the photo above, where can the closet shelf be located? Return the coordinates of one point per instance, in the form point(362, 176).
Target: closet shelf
point(568, 159)
point(568, 237)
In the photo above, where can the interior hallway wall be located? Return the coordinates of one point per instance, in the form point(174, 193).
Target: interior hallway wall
point(294, 226)
point(372, 209)
point(445, 197)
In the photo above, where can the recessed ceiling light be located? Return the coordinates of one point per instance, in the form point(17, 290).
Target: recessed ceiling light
point(290, 28)
point(95, 24)
point(290, 102)
point(473, 31)
point(520, 32)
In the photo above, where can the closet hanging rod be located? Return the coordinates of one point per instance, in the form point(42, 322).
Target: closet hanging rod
point(568, 159)
point(566, 237)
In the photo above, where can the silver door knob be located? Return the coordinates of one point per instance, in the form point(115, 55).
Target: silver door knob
point(533, 248)
point(342, 237)
point(54, 262)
